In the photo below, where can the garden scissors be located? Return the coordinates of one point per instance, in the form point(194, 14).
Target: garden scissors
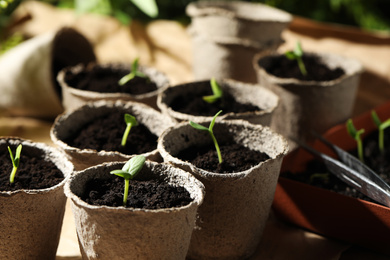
point(353, 172)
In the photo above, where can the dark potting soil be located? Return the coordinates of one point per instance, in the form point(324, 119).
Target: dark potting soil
point(33, 172)
point(193, 104)
point(150, 194)
point(235, 157)
point(376, 160)
point(105, 133)
point(282, 67)
point(105, 80)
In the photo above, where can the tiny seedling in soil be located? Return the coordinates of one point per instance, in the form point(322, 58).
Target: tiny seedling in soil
point(130, 122)
point(15, 161)
point(356, 135)
point(210, 131)
point(297, 54)
point(217, 92)
point(381, 129)
point(133, 73)
point(128, 172)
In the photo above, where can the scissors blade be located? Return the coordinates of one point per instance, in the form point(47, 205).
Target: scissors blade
point(353, 176)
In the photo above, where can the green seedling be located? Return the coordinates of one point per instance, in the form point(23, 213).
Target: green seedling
point(356, 135)
point(217, 92)
point(297, 54)
point(15, 161)
point(210, 131)
point(130, 122)
point(381, 129)
point(133, 73)
point(128, 172)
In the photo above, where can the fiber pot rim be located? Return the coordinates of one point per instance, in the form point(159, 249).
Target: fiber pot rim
point(237, 9)
point(153, 73)
point(100, 104)
point(197, 200)
point(50, 153)
point(212, 176)
point(229, 85)
point(350, 66)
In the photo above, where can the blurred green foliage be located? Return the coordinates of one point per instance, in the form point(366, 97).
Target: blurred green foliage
point(366, 14)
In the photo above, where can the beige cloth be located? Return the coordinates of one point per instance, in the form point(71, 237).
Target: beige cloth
point(166, 46)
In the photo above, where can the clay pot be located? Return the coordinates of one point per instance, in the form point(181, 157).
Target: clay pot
point(31, 220)
point(236, 205)
point(74, 98)
point(228, 31)
point(244, 93)
point(27, 81)
point(353, 220)
point(311, 105)
point(132, 233)
point(70, 122)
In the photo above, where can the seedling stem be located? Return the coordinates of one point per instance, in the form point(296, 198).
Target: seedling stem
point(15, 162)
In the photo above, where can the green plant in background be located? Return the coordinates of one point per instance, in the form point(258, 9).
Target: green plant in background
point(128, 172)
point(321, 176)
point(130, 122)
point(217, 92)
point(133, 73)
point(15, 161)
point(356, 135)
point(297, 54)
point(381, 129)
point(10, 42)
point(210, 131)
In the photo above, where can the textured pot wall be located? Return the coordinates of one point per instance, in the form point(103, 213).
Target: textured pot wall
point(236, 205)
point(311, 105)
point(128, 233)
point(68, 123)
point(245, 93)
point(31, 220)
point(74, 98)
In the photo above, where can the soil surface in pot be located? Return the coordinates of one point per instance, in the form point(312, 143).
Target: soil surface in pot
point(105, 80)
point(151, 194)
point(235, 157)
point(193, 104)
point(33, 172)
point(105, 133)
point(282, 67)
point(318, 175)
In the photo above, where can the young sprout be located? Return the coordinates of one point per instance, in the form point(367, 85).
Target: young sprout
point(217, 92)
point(381, 129)
point(15, 161)
point(210, 130)
point(133, 73)
point(297, 54)
point(130, 122)
point(128, 172)
point(356, 135)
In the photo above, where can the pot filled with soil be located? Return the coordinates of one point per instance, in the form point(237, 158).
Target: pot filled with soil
point(32, 201)
point(239, 187)
point(232, 32)
point(94, 133)
point(156, 222)
point(327, 91)
point(21, 78)
point(309, 196)
point(237, 100)
point(81, 84)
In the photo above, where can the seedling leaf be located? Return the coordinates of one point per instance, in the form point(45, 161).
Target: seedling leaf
point(210, 131)
point(297, 55)
point(130, 122)
point(128, 172)
point(15, 161)
point(217, 92)
point(355, 134)
point(134, 72)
